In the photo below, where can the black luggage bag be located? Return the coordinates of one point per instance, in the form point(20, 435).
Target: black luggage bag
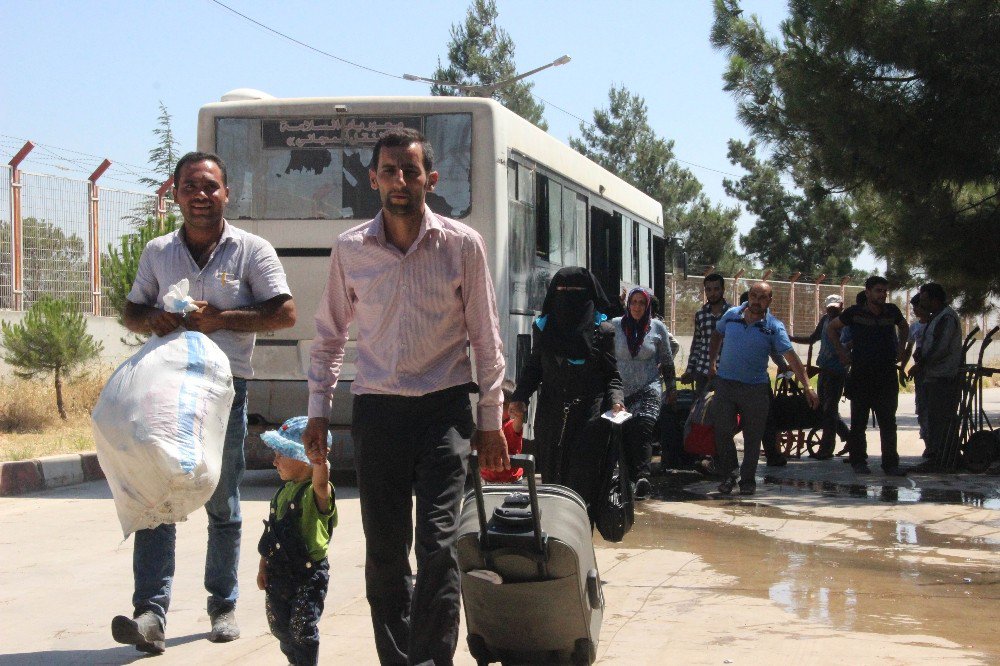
point(670, 428)
point(530, 586)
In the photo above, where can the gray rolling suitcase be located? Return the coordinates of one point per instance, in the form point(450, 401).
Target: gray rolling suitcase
point(530, 585)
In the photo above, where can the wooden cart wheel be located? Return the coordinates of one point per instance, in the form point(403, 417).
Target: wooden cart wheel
point(813, 440)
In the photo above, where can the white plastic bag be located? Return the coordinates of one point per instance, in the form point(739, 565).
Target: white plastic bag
point(177, 300)
point(159, 426)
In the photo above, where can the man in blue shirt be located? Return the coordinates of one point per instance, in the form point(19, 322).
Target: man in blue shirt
point(742, 384)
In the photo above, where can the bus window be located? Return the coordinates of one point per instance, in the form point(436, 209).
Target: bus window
point(525, 185)
point(627, 239)
point(548, 220)
point(451, 136)
point(521, 225)
point(317, 168)
point(636, 256)
point(569, 227)
point(555, 224)
point(645, 258)
point(580, 228)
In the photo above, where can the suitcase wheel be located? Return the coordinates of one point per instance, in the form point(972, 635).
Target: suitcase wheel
point(584, 652)
point(478, 650)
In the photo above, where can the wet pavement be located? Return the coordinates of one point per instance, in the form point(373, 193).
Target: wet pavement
point(820, 566)
point(875, 574)
point(912, 560)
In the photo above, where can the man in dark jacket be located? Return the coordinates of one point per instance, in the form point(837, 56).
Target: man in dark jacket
point(940, 362)
point(878, 333)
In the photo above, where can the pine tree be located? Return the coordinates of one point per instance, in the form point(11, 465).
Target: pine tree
point(893, 100)
point(52, 338)
point(164, 155)
point(812, 232)
point(482, 53)
point(121, 264)
point(622, 141)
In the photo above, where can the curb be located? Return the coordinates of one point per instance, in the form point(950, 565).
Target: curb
point(25, 476)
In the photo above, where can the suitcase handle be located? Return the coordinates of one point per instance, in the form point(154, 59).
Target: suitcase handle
point(525, 462)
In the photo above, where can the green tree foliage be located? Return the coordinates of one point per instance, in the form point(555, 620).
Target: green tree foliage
point(895, 99)
point(812, 232)
point(482, 53)
point(164, 155)
point(707, 231)
point(54, 262)
point(122, 263)
point(622, 141)
point(53, 339)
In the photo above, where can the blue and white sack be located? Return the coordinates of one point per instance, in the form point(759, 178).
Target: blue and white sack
point(159, 426)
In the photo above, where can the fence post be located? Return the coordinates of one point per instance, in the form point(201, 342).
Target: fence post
point(791, 301)
point(673, 302)
point(16, 228)
point(736, 291)
point(95, 240)
point(843, 288)
point(161, 201)
point(819, 281)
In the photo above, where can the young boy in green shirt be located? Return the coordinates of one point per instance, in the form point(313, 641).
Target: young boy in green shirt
point(294, 572)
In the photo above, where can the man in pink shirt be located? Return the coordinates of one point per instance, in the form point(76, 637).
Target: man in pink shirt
point(417, 286)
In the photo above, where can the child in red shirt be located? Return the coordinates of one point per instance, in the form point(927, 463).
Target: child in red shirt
point(512, 428)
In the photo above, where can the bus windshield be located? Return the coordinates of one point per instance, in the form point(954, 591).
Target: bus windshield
point(299, 168)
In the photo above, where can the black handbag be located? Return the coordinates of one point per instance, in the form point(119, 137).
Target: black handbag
point(616, 511)
point(790, 410)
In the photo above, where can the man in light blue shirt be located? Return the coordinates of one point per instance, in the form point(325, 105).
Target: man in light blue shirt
point(239, 288)
point(743, 386)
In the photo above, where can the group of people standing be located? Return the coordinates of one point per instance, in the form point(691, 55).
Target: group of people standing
point(416, 287)
point(863, 353)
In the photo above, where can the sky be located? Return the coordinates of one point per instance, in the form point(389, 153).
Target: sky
point(84, 79)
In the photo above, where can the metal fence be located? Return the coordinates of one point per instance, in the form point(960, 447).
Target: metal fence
point(120, 213)
point(799, 304)
point(62, 246)
point(55, 239)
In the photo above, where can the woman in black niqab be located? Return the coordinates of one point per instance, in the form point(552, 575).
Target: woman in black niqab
point(572, 302)
point(572, 366)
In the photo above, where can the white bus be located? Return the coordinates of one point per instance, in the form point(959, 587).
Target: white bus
point(298, 176)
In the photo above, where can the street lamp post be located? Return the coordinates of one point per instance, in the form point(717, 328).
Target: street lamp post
point(487, 89)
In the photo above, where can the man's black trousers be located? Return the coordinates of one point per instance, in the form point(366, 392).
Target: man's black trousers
point(407, 447)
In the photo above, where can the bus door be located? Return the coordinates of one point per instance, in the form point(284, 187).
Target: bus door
point(606, 250)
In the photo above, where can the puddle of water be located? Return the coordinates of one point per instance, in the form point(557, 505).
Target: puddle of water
point(887, 493)
point(880, 588)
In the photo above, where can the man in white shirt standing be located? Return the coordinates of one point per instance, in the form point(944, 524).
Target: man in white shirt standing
point(417, 286)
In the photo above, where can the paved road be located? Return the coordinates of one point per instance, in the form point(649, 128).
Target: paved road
point(820, 567)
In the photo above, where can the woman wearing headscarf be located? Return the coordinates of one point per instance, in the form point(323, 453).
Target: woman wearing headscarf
point(573, 359)
point(644, 355)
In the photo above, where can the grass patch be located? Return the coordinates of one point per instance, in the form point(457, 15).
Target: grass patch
point(30, 426)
